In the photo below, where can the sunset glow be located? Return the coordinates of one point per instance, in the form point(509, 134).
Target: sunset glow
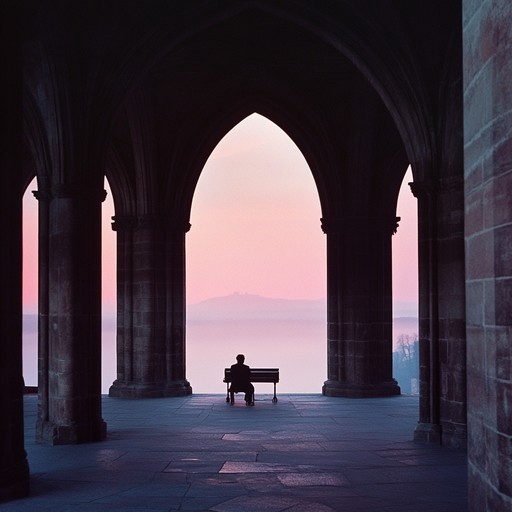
point(256, 219)
point(255, 231)
point(255, 226)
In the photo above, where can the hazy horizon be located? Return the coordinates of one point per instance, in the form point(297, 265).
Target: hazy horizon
point(256, 230)
point(287, 333)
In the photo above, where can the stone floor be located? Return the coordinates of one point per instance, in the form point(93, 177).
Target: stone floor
point(305, 453)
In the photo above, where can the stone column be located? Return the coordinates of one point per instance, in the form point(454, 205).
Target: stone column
point(124, 228)
point(14, 471)
point(452, 314)
point(428, 428)
point(74, 316)
point(151, 288)
point(140, 344)
point(175, 309)
point(359, 307)
point(442, 313)
point(43, 197)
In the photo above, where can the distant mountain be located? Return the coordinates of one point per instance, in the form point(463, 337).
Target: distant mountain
point(247, 307)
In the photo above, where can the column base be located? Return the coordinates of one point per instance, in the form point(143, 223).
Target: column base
point(455, 437)
point(347, 390)
point(14, 482)
point(134, 390)
point(50, 433)
point(428, 433)
point(450, 436)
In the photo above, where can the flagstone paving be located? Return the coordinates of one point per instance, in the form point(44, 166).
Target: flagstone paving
point(306, 453)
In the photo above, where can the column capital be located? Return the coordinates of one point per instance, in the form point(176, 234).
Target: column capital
point(351, 223)
point(72, 191)
point(422, 189)
point(66, 191)
point(123, 222)
point(178, 225)
point(146, 221)
point(128, 222)
point(42, 195)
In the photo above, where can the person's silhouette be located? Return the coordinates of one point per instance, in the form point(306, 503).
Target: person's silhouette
point(241, 380)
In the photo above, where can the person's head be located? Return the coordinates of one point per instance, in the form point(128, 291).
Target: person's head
point(240, 358)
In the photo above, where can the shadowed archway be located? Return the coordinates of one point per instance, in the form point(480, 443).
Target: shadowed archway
point(143, 94)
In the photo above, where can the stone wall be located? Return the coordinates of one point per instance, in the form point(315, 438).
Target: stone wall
point(488, 233)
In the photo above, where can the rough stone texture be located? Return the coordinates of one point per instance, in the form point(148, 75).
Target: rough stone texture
point(442, 335)
point(452, 316)
point(488, 231)
point(359, 309)
point(71, 373)
point(151, 311)
point(143, 91)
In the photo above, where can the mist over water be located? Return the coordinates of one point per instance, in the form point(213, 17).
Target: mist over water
point(286, 334)
point(299, 350)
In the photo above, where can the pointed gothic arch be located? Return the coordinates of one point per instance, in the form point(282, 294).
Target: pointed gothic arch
point(363, 89)
point(251, 244)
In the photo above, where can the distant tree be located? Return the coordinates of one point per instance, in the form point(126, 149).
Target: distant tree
point(406, 363)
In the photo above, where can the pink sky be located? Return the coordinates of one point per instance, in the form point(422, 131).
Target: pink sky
point(405, 248)
point(256, 219)
point(255, 229)
point(255, 226)
point(256, 222)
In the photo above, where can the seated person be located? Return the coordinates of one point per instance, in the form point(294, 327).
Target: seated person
point(241, 379)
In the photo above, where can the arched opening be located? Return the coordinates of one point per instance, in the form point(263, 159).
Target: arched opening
point(256, 262)
point(30, 285)
point(405, 291)
point(108, 292)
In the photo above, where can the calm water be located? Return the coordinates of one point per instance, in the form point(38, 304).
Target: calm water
point(297, 348)
point(212, 347)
